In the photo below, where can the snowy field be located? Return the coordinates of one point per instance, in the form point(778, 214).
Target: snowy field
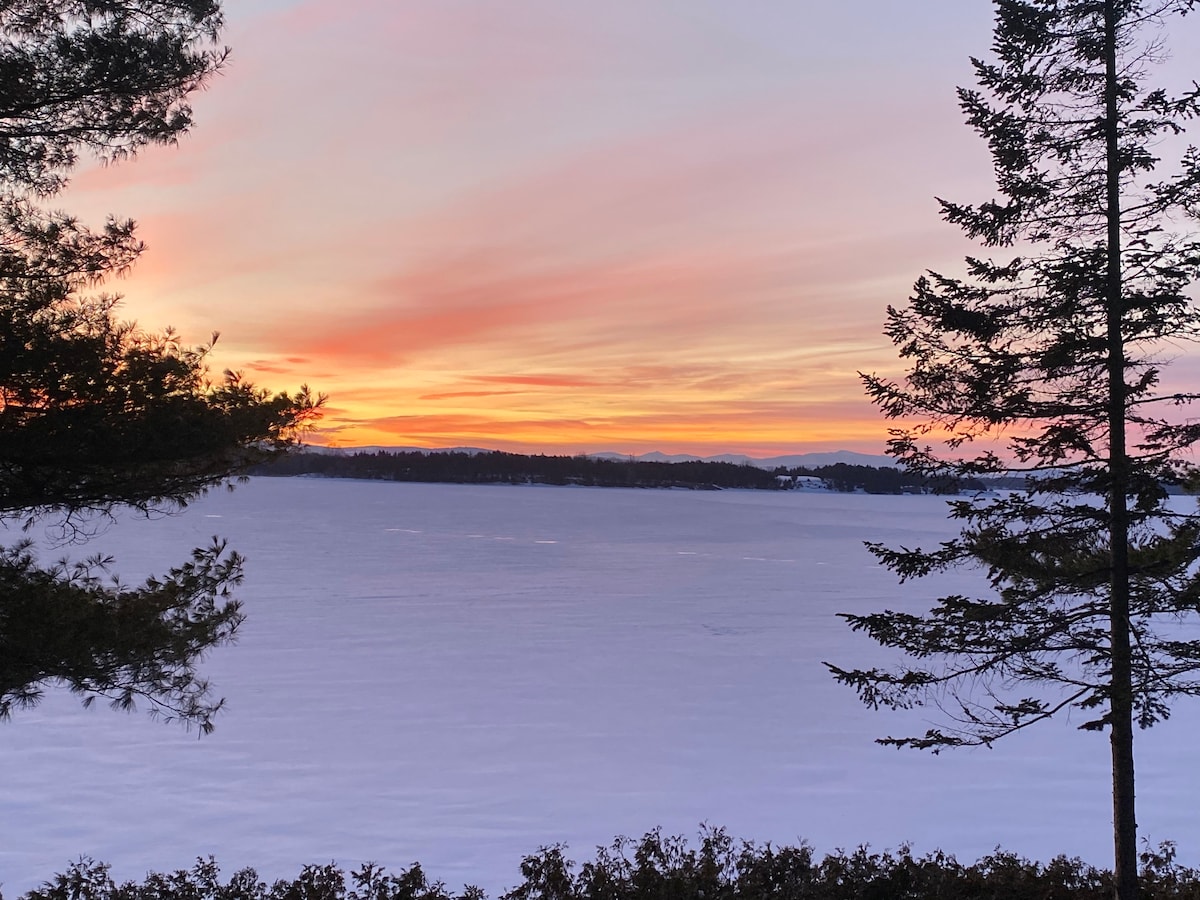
point(458, 675)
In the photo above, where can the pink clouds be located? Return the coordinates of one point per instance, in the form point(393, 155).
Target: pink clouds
point(555, 224)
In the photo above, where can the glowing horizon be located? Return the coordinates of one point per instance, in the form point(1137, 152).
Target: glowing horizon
point(625, 228)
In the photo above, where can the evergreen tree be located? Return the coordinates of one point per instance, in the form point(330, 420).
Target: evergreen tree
point(96, 413)
point(1049, 361)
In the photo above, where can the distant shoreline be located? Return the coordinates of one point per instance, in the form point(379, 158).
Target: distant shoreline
point(790, 460)
point(471, 466)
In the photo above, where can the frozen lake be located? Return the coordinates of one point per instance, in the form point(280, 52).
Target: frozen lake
point(458, 675)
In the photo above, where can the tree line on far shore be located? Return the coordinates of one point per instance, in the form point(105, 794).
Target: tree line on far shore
point(498, 467)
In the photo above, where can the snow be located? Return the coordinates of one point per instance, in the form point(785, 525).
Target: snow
point(458, 675)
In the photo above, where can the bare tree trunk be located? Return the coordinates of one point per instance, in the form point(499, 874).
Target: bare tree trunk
point(1121, 683)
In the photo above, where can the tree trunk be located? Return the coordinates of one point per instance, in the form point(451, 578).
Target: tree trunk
point(1121, 684)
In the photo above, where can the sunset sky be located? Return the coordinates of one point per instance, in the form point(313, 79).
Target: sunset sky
point(560, 226)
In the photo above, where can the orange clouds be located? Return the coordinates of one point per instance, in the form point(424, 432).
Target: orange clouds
point(768, 410)
point(612, 226)
point(703, 433)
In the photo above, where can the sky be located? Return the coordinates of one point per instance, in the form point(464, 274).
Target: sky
point(561, 226)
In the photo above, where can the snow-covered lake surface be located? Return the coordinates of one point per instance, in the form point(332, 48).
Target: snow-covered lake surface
point(458, 675)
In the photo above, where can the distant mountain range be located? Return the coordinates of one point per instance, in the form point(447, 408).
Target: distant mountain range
point(808, 460)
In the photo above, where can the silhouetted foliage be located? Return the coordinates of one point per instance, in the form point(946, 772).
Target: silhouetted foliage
point(659, 867)
point(1050, 362)
point(458, 467)
point(514, 468)
point(96, 413)
point(888, 480)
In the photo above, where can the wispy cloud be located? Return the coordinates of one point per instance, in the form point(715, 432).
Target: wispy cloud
point(664, 225)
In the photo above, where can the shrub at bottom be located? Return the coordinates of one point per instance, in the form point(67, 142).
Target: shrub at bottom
point(661, 867)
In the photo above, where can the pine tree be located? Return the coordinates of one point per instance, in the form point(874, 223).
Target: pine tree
point(96, 413)
point(1050, 361)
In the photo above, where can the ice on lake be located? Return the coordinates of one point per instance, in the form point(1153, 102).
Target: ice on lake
point(458, 675)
